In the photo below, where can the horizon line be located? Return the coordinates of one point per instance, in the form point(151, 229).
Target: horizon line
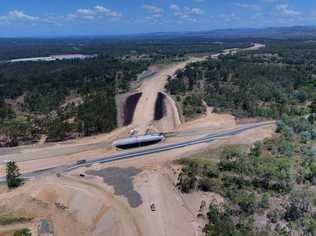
point(152, 33)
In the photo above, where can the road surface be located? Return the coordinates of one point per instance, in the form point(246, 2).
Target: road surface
point(150, 150)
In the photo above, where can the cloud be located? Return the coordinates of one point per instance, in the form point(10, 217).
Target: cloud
point(229, 17)
point(107, 12)
point(273, 1)
point(285, 11)
point(252, 7)
point(94, 13)
point(155, 13)
point(175, 7)
point(153, 9)
point(18, 16)
point(185, 13)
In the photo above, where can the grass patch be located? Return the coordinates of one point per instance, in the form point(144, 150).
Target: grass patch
point(17, 232)
point(13, 218)
point(208, 157)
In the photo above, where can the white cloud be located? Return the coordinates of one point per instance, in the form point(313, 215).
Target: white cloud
point(94, 13)
point(186, 13)
point(175, 7)
point(273, 1)
point(85, 12)
point(252, 7)
point(99, 8)
point(155, 13)
point(153, 9)
point(229, 17)
point(285, 11)
point(18, 16)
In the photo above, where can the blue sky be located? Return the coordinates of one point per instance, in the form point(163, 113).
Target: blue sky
point(111, 17)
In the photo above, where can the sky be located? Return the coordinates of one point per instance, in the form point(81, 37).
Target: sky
point(33, 18)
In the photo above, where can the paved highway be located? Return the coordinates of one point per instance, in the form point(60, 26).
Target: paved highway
point(150, 150)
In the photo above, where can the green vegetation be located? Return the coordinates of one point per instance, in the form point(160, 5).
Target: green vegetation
point(268, 190)
point(23, 232)
point(13, 175)
point(10, 218)
point(96, 114)
point(251, 84)
point(154, 48)
point(62, 99)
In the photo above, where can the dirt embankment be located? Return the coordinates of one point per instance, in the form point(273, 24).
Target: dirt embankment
point(160, 107)
point(126, 104)
point(150, 88)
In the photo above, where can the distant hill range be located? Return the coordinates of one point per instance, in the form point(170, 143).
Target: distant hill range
point(300, 32)
point(297, 32)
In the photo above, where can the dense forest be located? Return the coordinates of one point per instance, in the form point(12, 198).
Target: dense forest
point(153, 47)
point(62, 99)
point(268, 83)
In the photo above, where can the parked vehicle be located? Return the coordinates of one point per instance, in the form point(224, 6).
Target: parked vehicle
point(80, 162)
point(152, 207)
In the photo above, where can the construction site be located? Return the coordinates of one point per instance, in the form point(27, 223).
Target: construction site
point(127, 178)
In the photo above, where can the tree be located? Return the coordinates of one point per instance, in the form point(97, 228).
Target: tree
point(22, 232)
point(13, 175)
point(264, 203)
point(5, 112)
point(57, 130)
point(299, 204)
point(313, 106)
point(230, 157)
point(256, 149)
point(98, 113)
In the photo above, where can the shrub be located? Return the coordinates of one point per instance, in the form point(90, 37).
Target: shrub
point(13, 175)
point(286, 148)
point(23, 232)
point(313, 134)
point(305, 136)
point(209, 185)
point(229, 156)
point(264, 203)
point(247, 202)
point(299, 204)
point(273, 216)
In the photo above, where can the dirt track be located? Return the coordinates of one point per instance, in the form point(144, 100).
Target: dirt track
point(144, 112)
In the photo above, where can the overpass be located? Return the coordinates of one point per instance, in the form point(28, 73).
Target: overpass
point(147, 151)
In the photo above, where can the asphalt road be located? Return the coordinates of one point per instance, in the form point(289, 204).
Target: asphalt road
point(149, 150)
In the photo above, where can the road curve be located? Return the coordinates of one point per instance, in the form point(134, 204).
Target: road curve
point(150, 150)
